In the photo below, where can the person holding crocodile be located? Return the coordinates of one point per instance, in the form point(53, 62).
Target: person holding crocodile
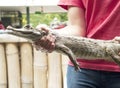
point(98, 19)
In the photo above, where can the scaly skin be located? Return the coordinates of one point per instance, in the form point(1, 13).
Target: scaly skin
point(74, 47)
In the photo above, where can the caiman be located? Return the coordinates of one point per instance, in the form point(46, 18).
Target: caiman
point(73, 46)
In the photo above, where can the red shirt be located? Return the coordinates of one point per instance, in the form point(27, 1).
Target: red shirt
point(103, 22)
point(2, 26)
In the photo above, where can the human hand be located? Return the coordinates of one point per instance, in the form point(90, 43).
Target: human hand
point(46, 43)
point(117, 39)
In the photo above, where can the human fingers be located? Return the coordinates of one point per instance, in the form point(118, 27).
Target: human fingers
point(43, 27)
point(117, 39)
point(50, 43)
point(47, 43)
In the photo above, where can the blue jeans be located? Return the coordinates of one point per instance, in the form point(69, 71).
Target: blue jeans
point(92, 79)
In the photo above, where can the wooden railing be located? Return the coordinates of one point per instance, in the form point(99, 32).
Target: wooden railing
point(21, 66)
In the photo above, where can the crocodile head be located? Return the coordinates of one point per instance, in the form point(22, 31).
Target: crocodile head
point(27, 32)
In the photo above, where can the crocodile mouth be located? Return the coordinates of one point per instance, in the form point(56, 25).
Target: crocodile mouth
point(30, 34)
point(24, 31)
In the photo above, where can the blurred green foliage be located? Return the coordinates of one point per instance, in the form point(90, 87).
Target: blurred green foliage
point(44, 18)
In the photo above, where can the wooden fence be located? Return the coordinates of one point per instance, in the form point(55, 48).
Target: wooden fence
point(21, 66)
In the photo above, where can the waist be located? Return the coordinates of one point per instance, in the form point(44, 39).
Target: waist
point(98, 65)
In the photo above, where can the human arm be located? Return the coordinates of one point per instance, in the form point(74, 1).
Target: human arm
point(76, 22)
point(76, 26)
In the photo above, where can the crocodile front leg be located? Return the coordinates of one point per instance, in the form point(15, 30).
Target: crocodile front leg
point(65, 50)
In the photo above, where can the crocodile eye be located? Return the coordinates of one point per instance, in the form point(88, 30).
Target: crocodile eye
point(29, 27)
point(44, 33)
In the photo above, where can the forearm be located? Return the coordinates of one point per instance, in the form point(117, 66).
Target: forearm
point(72, 30)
